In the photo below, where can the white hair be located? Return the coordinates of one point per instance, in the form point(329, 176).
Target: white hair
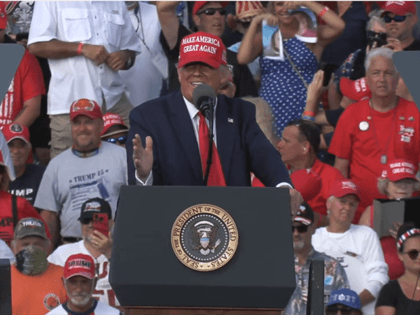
point(379, 52)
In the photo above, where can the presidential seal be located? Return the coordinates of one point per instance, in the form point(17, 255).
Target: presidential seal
point(204, 237)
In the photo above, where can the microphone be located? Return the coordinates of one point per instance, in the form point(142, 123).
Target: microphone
point(203, 98)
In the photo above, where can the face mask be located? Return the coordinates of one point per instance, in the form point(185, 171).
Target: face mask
point(31, 261)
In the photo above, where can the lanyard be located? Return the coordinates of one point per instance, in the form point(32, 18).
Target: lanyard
point(384, 158)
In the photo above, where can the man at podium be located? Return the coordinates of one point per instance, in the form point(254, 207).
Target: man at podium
point(175, 132)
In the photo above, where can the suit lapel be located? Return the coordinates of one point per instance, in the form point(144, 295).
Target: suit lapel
point(225, 125)
point(184, 130)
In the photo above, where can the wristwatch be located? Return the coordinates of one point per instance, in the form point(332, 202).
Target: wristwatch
point(129, 62)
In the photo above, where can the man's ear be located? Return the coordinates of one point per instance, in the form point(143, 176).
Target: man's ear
point(196, 20)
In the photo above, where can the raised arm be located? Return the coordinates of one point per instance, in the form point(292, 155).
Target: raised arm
point(251, 45)
point(334, 25)
point(169, 21)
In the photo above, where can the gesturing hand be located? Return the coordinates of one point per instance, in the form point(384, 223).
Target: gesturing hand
point(315, 89)
point(143, 157)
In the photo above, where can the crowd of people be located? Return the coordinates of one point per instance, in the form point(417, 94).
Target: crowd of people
point(307, 98)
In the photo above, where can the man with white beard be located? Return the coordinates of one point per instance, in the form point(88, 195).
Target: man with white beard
point(79, 281)
point(334, 275)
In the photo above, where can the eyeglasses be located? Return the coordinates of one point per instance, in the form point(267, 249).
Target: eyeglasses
point(120, 140)
point(413, 254)
point(345, 310)
point(300, 228)
point(212, 11)
point(397, 18)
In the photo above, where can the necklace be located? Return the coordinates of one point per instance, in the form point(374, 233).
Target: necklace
point(384, 157)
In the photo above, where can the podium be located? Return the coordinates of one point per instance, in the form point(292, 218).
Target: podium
point(148, 277)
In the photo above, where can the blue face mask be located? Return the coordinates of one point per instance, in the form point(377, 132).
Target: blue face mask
point(31, 261)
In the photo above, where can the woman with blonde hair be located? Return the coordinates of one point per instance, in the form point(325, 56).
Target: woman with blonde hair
point(284, 80)
point(397, 182)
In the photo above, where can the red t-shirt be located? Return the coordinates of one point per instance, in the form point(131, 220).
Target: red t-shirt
point(27, 83)
point(25, 210)
point(328, 175)
point(397, 135)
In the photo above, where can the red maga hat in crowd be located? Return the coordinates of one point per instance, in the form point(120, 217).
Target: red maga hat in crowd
point(202, 47)
point(85, 107)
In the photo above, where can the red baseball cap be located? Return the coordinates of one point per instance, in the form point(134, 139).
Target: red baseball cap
point(400, 7)
point(202, 47)
point(355, 90)
point(79, 265)
point(199, 4)
point(15, 131)
point(344, 187)
point(85, 107)
point(3, 15)
point(400, 169)
point(110, 120)
point(307, 182)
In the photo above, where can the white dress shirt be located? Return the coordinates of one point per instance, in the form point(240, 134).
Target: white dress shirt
point(104, 23)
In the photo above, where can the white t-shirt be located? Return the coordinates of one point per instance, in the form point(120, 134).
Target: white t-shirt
point(103, 291)
point(360, 253)
point(98, 309)
point(105, 23)
point(70, 180)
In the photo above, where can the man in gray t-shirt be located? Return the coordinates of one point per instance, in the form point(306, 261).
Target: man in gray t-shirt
point(91, 168)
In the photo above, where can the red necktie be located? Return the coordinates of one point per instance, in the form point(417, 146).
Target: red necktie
point(216, 177)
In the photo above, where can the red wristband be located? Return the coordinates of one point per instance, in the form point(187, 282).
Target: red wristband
point(323, 11)
point(79, 48)
point(308, 113)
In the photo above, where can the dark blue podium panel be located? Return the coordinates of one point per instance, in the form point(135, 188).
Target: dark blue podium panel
point(146, 272)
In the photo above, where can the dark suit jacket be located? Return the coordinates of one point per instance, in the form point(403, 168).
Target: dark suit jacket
point(242, 146)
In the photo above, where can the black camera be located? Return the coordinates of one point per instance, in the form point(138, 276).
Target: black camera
point(378, 38)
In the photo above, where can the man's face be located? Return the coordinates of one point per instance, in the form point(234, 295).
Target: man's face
point(400, 30)
point(87, 229)
point(193, 74)
point(86, 133)
point(19, 151)
point(301, 239)
point(212, 24)
point(36, 241)
point(382, 77)
point(289, 146)
point(79, 289)
point(343, 209)
point(118, 138)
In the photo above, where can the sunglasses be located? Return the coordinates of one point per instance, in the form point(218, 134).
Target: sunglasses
point(212, 11)
point(413, 254)
point(300, 228)
point(372, 34)
point(397, 18)
point(120, 140)
point(86, 221)
point(345, 310)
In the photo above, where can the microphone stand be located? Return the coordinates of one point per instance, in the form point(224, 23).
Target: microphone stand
point(210, 116)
